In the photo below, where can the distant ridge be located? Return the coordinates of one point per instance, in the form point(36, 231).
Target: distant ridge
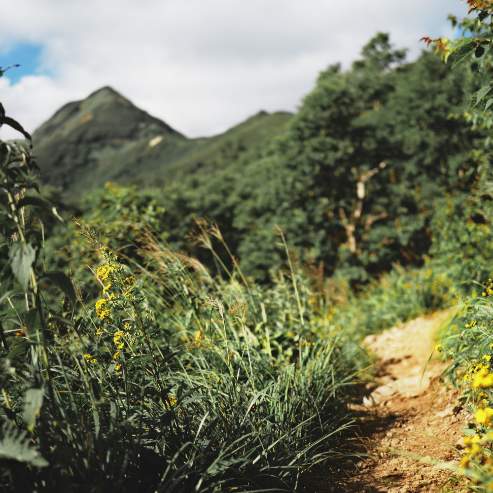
point(106, 137)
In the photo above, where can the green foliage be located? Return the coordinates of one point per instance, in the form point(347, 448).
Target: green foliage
point(398, 296)
point(170, 380)
point(16, 446)
point(464, 243)
point(365, 159)
point(352, 179)
point(180, 382)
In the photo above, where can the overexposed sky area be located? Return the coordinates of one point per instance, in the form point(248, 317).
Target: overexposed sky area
point(200, 65)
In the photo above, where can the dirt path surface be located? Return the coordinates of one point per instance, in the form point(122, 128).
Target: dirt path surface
point(409, 422)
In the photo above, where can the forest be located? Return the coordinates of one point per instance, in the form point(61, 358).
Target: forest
point(193, 314)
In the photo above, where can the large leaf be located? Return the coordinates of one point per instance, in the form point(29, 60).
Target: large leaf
point(15, 125)
point(480, 95)
point(22, 257)
point(14, 445)
point(33, 400)
point(464, 50)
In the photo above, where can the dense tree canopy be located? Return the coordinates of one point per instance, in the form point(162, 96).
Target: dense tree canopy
point(351, 179)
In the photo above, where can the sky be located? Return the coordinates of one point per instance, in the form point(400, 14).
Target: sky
point(200, 65)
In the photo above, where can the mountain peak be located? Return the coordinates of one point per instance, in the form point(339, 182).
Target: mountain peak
point(103, 115)
point(81, 138)
point(107, 93)
point(105, 90)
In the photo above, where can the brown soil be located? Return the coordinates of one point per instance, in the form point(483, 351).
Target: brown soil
point(410, 425)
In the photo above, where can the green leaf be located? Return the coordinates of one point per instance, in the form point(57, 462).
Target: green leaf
point(14, 445)
point(462, 52)
point(63, 282)
point(15, 125)
point(22, 257)
point(33, 400)
point(480, 95)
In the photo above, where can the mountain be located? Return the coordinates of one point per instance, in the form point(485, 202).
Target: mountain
point(105, 137)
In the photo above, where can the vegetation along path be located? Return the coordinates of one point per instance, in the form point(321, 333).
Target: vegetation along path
point(409, 437)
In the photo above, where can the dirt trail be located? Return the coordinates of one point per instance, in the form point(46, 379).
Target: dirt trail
point(408, 418)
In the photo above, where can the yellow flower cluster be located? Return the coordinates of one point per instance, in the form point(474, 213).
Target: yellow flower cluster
point(104, 274)
point(476, 445)
point(472, 449)
point(479, 374)
point(198, 337)
point(117, 339)
point(103, 308)
point(114, 305)
point(479, 377)
point(89, 358)
point(483, 416)
point(488, 290)
point(482, 379)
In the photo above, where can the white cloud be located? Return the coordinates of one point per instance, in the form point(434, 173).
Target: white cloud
point(201, 65)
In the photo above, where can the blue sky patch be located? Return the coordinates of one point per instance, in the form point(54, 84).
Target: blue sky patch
point(28, 55)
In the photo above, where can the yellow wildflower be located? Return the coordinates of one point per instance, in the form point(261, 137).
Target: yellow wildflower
point(89, 358)
point(482, 379)
point(104, 271)
point(483, 416)
point(488, 290)
point(102, 309)
point(117, 339)
point(197, 337)
point(468, 441)
point(473, 448)
point(172, 400)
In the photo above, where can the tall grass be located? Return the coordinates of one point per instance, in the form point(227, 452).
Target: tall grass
point(173, 382)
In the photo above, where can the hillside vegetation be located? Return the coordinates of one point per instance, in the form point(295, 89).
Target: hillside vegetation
point(106, 138)
point(190, 318)
point(352, 179)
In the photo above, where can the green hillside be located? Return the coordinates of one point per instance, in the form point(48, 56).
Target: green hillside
point(106, 138)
